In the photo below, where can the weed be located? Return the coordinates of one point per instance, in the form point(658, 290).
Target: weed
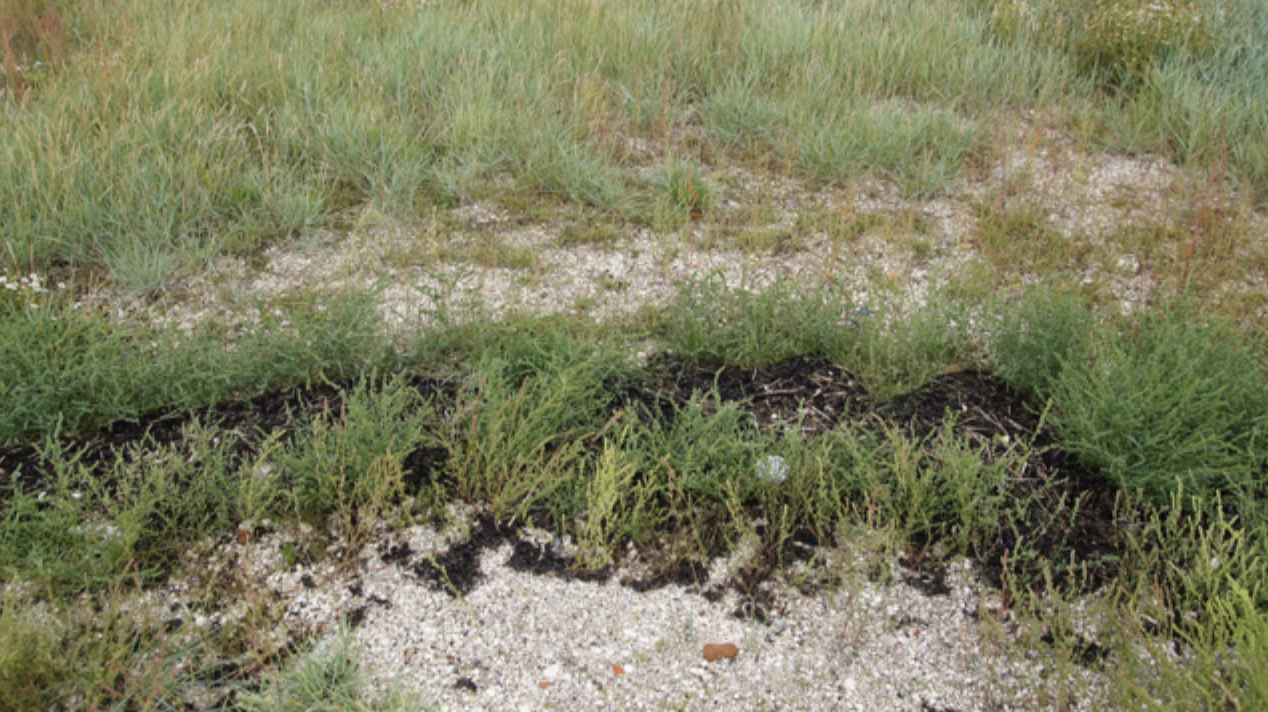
point(1023, 241)
point(17, 294)
point(71, 367)
point(36, 40)
point(110, 654)
point(589, 234)
point(351, 463)
point(328, 677)
point(682, 189)
point(1121, 38)
point(1035, 339)
point(613, 506)
point(1175, 402)
point(490, 251)
point(710, 321)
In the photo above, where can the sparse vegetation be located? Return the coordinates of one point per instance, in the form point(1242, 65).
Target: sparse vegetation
point(143, 141)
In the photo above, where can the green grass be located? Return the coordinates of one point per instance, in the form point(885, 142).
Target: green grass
point(325, 679)
point(53, 657)
point(1175, 401)
point(681, 190)
point(715, 322)
point(225, 128)
point(76, 369)
point(1035, 340)
point(351, 461)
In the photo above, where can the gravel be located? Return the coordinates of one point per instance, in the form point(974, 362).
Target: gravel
point(518, 640)
point(1086, 197)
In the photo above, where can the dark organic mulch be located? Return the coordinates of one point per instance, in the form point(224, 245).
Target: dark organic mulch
point(984, 409)
point(245, 423)
point(457, 571)
point(811, 392)
point(1068, 519)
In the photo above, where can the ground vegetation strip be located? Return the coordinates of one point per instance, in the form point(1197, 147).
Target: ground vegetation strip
point(542, 423)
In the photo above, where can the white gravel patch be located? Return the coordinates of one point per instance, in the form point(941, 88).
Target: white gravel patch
point(417, 268)
point(519, 640)
point(524, 641)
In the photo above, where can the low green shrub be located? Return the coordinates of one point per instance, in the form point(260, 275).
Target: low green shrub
point(1121, 39)
point(49, 534)
point(710, 321)
point(938, 489)
point(83, 527)
point(536, 396)
point(1034, 339)
point(354, 459)
point(709, 453)
point(1175, 401)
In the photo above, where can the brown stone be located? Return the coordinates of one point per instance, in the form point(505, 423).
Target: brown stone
point(718, 651)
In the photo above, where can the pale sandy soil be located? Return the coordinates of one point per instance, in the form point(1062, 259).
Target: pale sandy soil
point(762, 227)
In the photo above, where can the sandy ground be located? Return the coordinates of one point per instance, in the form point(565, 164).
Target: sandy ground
point(488, 260)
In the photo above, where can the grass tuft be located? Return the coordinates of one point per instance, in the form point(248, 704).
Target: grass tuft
point(326, 679)
point(713, 322)
point(1175, 401)
point(66, 367)
point(1038, 337)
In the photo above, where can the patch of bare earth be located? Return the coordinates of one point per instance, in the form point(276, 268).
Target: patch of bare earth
point(506, 627)
point(1128, 228)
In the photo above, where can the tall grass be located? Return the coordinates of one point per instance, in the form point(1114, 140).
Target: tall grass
point(197, 129)
point(1181, 77)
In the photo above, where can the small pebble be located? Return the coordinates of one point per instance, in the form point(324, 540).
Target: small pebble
point(717, 651)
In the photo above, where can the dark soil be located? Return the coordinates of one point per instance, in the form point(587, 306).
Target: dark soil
point(457, 571)
point(811, 392)
point(1068, 519)
point(244, 423)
